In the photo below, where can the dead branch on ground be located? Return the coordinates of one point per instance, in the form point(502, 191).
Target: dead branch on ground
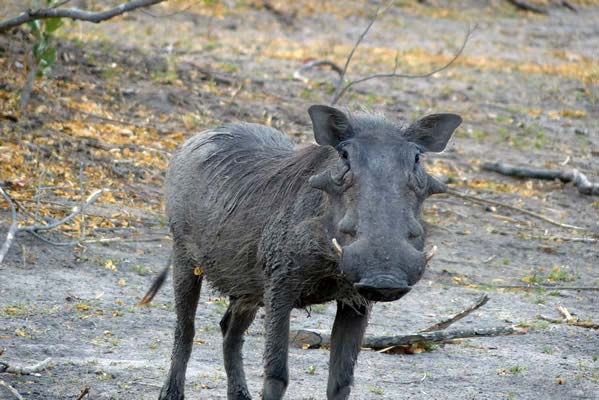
point(84, 392)
point(436, 333)
point(25, 370)
point(35, 228)
point(12, 390)
point(477, 199)
point(481, 301)
point(313, 340)
point(569, 319)
point(546, 287)
point(341, 87)
point(576, 177)
point(75, 13)
point(313, 64)
point(525, 6)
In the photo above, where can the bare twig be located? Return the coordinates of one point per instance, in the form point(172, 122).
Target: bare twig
point(517, 209)
point(27, 370)
point(34, 229)
point(313, 340)
point(84, 392)
point(523, 5)
point(341, 89)
point(481, 301)
point(339, 86)
point(569, 319)
point(547, 287)
point(12, 390)
point(28, 86)
point(284, 18)
point(313, 64)
point(14, 226)
point(75, 13)
point(576, 177)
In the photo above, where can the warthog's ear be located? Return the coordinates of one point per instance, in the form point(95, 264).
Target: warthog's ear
point(331, 126)
point(433, 132)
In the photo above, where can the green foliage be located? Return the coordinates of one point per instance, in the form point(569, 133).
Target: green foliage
point(44, 51)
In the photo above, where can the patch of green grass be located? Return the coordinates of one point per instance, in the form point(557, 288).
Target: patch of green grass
point(557, 274)
point(141, 270)
point(318, 308)
point(533, 324)
point(376, 390)
point(311, 370)
point(15, 310)
point(516, 369)
point(548, 349)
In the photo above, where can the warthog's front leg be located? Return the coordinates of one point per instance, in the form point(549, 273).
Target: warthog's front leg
point(346, 339)
point(277, 306)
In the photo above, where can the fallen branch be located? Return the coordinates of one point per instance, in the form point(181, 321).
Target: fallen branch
point(23, 370)
point(312, 340)
point(576, 177)
point(84, 392)
point(313, 64)
point(34, 229)
point(12, 390)
point(75, 13)
point(522, 5)
point(569, 319)
point(517, 209)
point(340, 88)
point(481, 301)
point(547, 287)
point(12, 230)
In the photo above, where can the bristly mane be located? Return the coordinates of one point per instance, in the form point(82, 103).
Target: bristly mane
point(254, 164)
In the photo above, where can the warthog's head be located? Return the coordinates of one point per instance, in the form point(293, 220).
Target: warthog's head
point(376, 189)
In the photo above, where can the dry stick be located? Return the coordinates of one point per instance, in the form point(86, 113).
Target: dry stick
point(28, 86)
point(339, 85)
point(340, 89)
point(313, 64)
point(578, 178)
point(569, 319)
point(522, 5)
point(481, 301)
point(83, 393)
point(14, 226)
point(40, 366)
point(12, 390)
point(34, 229)
point(75, 13)
point(546, 287)
point(520, 210)
point(313, 340)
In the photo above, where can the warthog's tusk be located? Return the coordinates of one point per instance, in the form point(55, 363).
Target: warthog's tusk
point(431, 253)
point(337, 248)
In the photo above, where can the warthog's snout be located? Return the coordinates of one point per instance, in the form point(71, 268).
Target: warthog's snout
point(386, 288)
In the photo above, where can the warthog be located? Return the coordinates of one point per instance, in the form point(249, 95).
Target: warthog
point(272, 225)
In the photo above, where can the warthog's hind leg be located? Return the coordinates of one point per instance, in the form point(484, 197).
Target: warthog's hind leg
point(235, 322)
point(187, 292)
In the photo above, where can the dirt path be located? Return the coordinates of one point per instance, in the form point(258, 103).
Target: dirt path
point(132, 89)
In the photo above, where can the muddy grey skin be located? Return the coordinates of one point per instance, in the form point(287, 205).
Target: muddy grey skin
point(260, 216)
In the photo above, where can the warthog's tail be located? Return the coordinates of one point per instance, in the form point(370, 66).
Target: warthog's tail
point(157, 284)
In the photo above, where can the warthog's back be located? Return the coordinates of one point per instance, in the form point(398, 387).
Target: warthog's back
point(222, 188)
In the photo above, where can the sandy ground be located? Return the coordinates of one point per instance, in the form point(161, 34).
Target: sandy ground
point(526, 90)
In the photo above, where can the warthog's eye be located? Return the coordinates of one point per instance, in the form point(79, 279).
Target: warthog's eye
point(417, 158)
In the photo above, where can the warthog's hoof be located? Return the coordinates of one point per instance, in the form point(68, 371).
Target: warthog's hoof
point(167, 393)
point(239, 394)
